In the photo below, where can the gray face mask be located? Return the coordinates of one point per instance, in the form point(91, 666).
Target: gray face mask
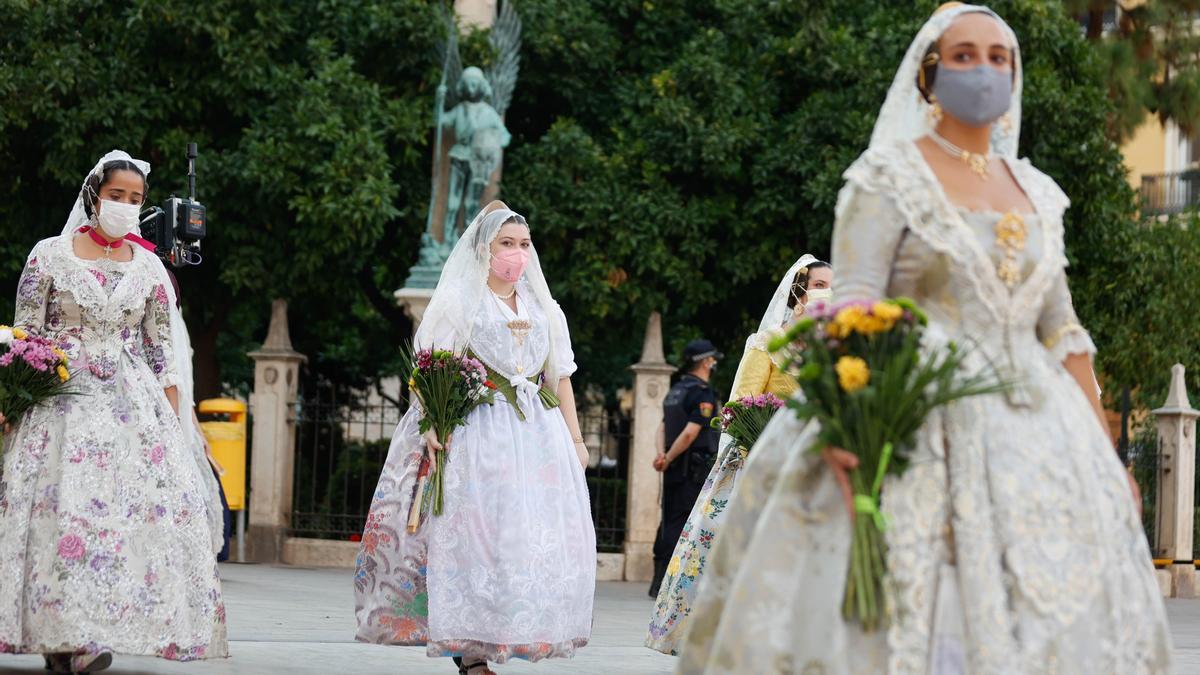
point(976, 97)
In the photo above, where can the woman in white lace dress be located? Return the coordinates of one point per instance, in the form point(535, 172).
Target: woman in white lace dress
point(105, 540)
point(1014, 543)
point(509, 568)
point(808, 280)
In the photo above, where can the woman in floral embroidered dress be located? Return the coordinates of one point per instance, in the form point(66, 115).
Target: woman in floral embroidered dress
point(509, 568)
point(105, 542)
point(807, 280)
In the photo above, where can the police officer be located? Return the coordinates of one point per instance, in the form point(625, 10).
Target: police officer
point(690, 448)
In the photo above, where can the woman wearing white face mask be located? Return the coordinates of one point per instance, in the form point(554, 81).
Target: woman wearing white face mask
point(806, 282)
point(1013, 538)
point(509, 568)
point(105, 541)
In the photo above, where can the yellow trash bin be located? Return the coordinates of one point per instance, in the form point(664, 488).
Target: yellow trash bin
point(228, 441)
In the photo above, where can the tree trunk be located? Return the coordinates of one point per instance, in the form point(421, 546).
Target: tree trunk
point(206, 367)
point(1095, 24)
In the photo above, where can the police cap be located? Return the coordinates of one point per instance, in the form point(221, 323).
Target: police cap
point(698, 350)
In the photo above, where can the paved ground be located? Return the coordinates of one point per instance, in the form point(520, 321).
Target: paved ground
point(287, 620)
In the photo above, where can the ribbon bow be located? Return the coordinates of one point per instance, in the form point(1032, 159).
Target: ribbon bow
point(868, 505)
point(524, 386)
point(131, 237)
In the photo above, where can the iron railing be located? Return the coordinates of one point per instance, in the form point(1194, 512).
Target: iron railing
point(1170, 193)
point(1144, 461)
point(342, 443)
point(607, 436)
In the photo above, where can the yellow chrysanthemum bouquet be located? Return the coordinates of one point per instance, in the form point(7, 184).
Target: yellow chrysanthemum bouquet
point(869, 384)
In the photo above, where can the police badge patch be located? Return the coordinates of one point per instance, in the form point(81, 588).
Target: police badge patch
point(706, 409)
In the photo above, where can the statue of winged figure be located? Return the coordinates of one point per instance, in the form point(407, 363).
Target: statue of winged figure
point(472, 103)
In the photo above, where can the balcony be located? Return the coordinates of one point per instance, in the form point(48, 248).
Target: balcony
point(1171, 193)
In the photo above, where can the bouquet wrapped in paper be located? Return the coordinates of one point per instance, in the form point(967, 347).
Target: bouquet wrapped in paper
point(448, 385)
point(743, 420)
point(33, 370)
point(869, 383)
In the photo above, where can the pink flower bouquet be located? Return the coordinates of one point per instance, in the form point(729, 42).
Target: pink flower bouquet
point(32, 370)
point(448, 386)
point(744, 419)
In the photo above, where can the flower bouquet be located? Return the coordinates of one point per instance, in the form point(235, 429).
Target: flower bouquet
point(869, 383)
point(448, 386)
point(744, 419)
point(32, 371)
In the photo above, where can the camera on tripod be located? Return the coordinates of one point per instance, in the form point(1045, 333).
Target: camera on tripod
point(177, 227)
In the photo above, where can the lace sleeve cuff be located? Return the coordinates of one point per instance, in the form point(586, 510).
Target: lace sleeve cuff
point(1070, 339)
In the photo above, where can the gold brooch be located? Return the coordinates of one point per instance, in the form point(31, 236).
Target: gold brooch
point(1011, 232)
point(520, 330)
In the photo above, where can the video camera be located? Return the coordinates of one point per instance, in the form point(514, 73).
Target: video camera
point(177, 227)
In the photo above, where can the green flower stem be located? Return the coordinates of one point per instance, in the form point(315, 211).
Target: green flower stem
point(439, 473)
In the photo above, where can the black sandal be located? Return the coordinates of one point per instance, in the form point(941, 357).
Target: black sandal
point(472, 668)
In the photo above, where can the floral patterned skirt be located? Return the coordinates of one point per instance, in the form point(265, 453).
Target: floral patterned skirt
point(508, 570)
point(678, 591)
point(104, 537)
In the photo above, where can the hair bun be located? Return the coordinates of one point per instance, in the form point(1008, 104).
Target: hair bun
point(946, 6)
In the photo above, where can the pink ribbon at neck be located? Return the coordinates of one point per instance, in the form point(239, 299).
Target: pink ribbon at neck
point(131, 237)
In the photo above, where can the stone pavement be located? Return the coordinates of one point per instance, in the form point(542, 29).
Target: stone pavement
point(291, 620)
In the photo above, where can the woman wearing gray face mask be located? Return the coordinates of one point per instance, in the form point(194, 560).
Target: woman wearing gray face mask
point(1008, 500)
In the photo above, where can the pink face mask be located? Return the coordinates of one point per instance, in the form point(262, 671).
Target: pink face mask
point(510, 263)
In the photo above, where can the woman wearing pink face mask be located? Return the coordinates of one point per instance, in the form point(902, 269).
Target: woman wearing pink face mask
point(509, 568)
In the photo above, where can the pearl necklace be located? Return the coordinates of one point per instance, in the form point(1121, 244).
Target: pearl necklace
point(978, 163)
point(504, 297)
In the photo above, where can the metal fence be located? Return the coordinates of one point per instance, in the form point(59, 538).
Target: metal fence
point(1170, 193)
point(1143, 457)
point(342, 443)
point(608, 435)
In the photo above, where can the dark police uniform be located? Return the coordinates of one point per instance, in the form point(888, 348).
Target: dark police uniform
point(690, 400)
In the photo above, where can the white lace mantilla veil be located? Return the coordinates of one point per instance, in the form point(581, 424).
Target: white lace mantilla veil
point(462, 287)
point(181, 348)
point(778, 313)
point(905, 113)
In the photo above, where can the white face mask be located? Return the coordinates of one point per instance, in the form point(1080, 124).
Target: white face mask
point(824, 295)
point(117, 219)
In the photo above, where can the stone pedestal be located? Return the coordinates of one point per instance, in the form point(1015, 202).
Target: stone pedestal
point(414, 301)
point(1176, 508)
point(651, 381)
point(272, 406)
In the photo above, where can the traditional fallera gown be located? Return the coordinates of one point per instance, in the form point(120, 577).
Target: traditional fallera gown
point(1014, 545)
point(105, 544)
point(757, 374)
point(509, 569)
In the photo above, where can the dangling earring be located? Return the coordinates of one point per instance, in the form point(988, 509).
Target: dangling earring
point(935, 111)
point(1006, 123)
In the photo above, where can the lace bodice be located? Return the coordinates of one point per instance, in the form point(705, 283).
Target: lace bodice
point(898, 235)
point(98, 309)
point(517, 344)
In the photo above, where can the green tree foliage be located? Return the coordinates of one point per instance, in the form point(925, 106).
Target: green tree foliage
point(312, 121)
point(679, 156)
point(672, 154)
point(1150, 53)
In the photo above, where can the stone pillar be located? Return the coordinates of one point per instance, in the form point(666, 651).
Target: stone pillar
point(272, 407)
point(651, 380)
point(414, 301)
point(1176, 508)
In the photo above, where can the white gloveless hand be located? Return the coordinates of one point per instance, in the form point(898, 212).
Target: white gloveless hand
point(432, 445)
